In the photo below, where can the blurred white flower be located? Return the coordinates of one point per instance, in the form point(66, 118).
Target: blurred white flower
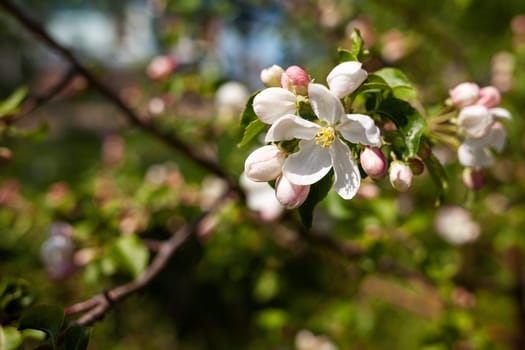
point(476, 152)
point(464, 94)
point(306, 340)
point(260, 197)
point(230, 99)
point(455, 225)
point(58, 250)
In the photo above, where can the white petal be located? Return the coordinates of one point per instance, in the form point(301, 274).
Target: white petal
point(475, 120)
point(325, 105)
point(345, 78)
point(500, 113)
point(291, 127)
point(497, 136)
point(309, 165)
point(359, 128)
point(347, 178)
point(474, 157)
point(272, 103)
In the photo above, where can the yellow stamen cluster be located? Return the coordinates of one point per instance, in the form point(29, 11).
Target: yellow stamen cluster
point(325, 137)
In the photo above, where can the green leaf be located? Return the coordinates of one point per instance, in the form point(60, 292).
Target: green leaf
point(46, 318)
point(410, 124)
point(248, 114)
point(358, 45)
point(10, 338)
point(345, 55)
point(438, 175)
point(76, 338)
point(374, 83)
point(251, 125)
point(318, 192)
point(12, 103)
point(130, 254)
point(398, 82)
point(252, 130)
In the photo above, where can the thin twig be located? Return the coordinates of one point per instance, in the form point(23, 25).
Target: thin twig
point(96, 307)
point(33, 104)
point(168, 138)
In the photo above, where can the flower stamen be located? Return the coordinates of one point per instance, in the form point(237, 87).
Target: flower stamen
point(325, 137)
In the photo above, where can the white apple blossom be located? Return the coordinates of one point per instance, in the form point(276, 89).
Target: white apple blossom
point(322, 147)
point(476, 120)
point(273, 103)
point(476, 152)
point(345, 78)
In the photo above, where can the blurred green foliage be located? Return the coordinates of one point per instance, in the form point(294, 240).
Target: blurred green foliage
point(244, 283)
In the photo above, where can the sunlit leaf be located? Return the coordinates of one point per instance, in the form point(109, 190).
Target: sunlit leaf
point(251, 131)
point(410, 124)
point(345, 55)
point(10, 338)
point(398, 82)
point(131, 254)
point(12, 103)
point(248, 114)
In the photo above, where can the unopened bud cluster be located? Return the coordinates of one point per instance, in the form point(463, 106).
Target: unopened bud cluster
point(479, 128)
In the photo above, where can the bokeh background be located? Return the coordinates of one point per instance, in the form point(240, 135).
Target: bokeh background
point(246, 282)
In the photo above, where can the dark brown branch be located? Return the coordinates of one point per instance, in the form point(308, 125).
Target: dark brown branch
point(96, 307)
point(171, 140)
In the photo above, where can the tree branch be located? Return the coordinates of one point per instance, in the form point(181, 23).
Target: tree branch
point(96, 307)
point(171, 140)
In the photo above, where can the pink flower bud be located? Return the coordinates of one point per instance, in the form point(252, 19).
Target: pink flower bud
point(401, 176)
point(5, 155)
point(264, 164)
point(373, 162)
point(417, 166)
point(489, 97)
point(295, 79)
point(473, 179)
point(290, 195)
point(271, 77)
point(464, 94)
point(160, 67)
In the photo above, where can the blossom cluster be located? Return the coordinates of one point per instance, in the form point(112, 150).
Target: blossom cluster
point(301, 149)
point(478, 124)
